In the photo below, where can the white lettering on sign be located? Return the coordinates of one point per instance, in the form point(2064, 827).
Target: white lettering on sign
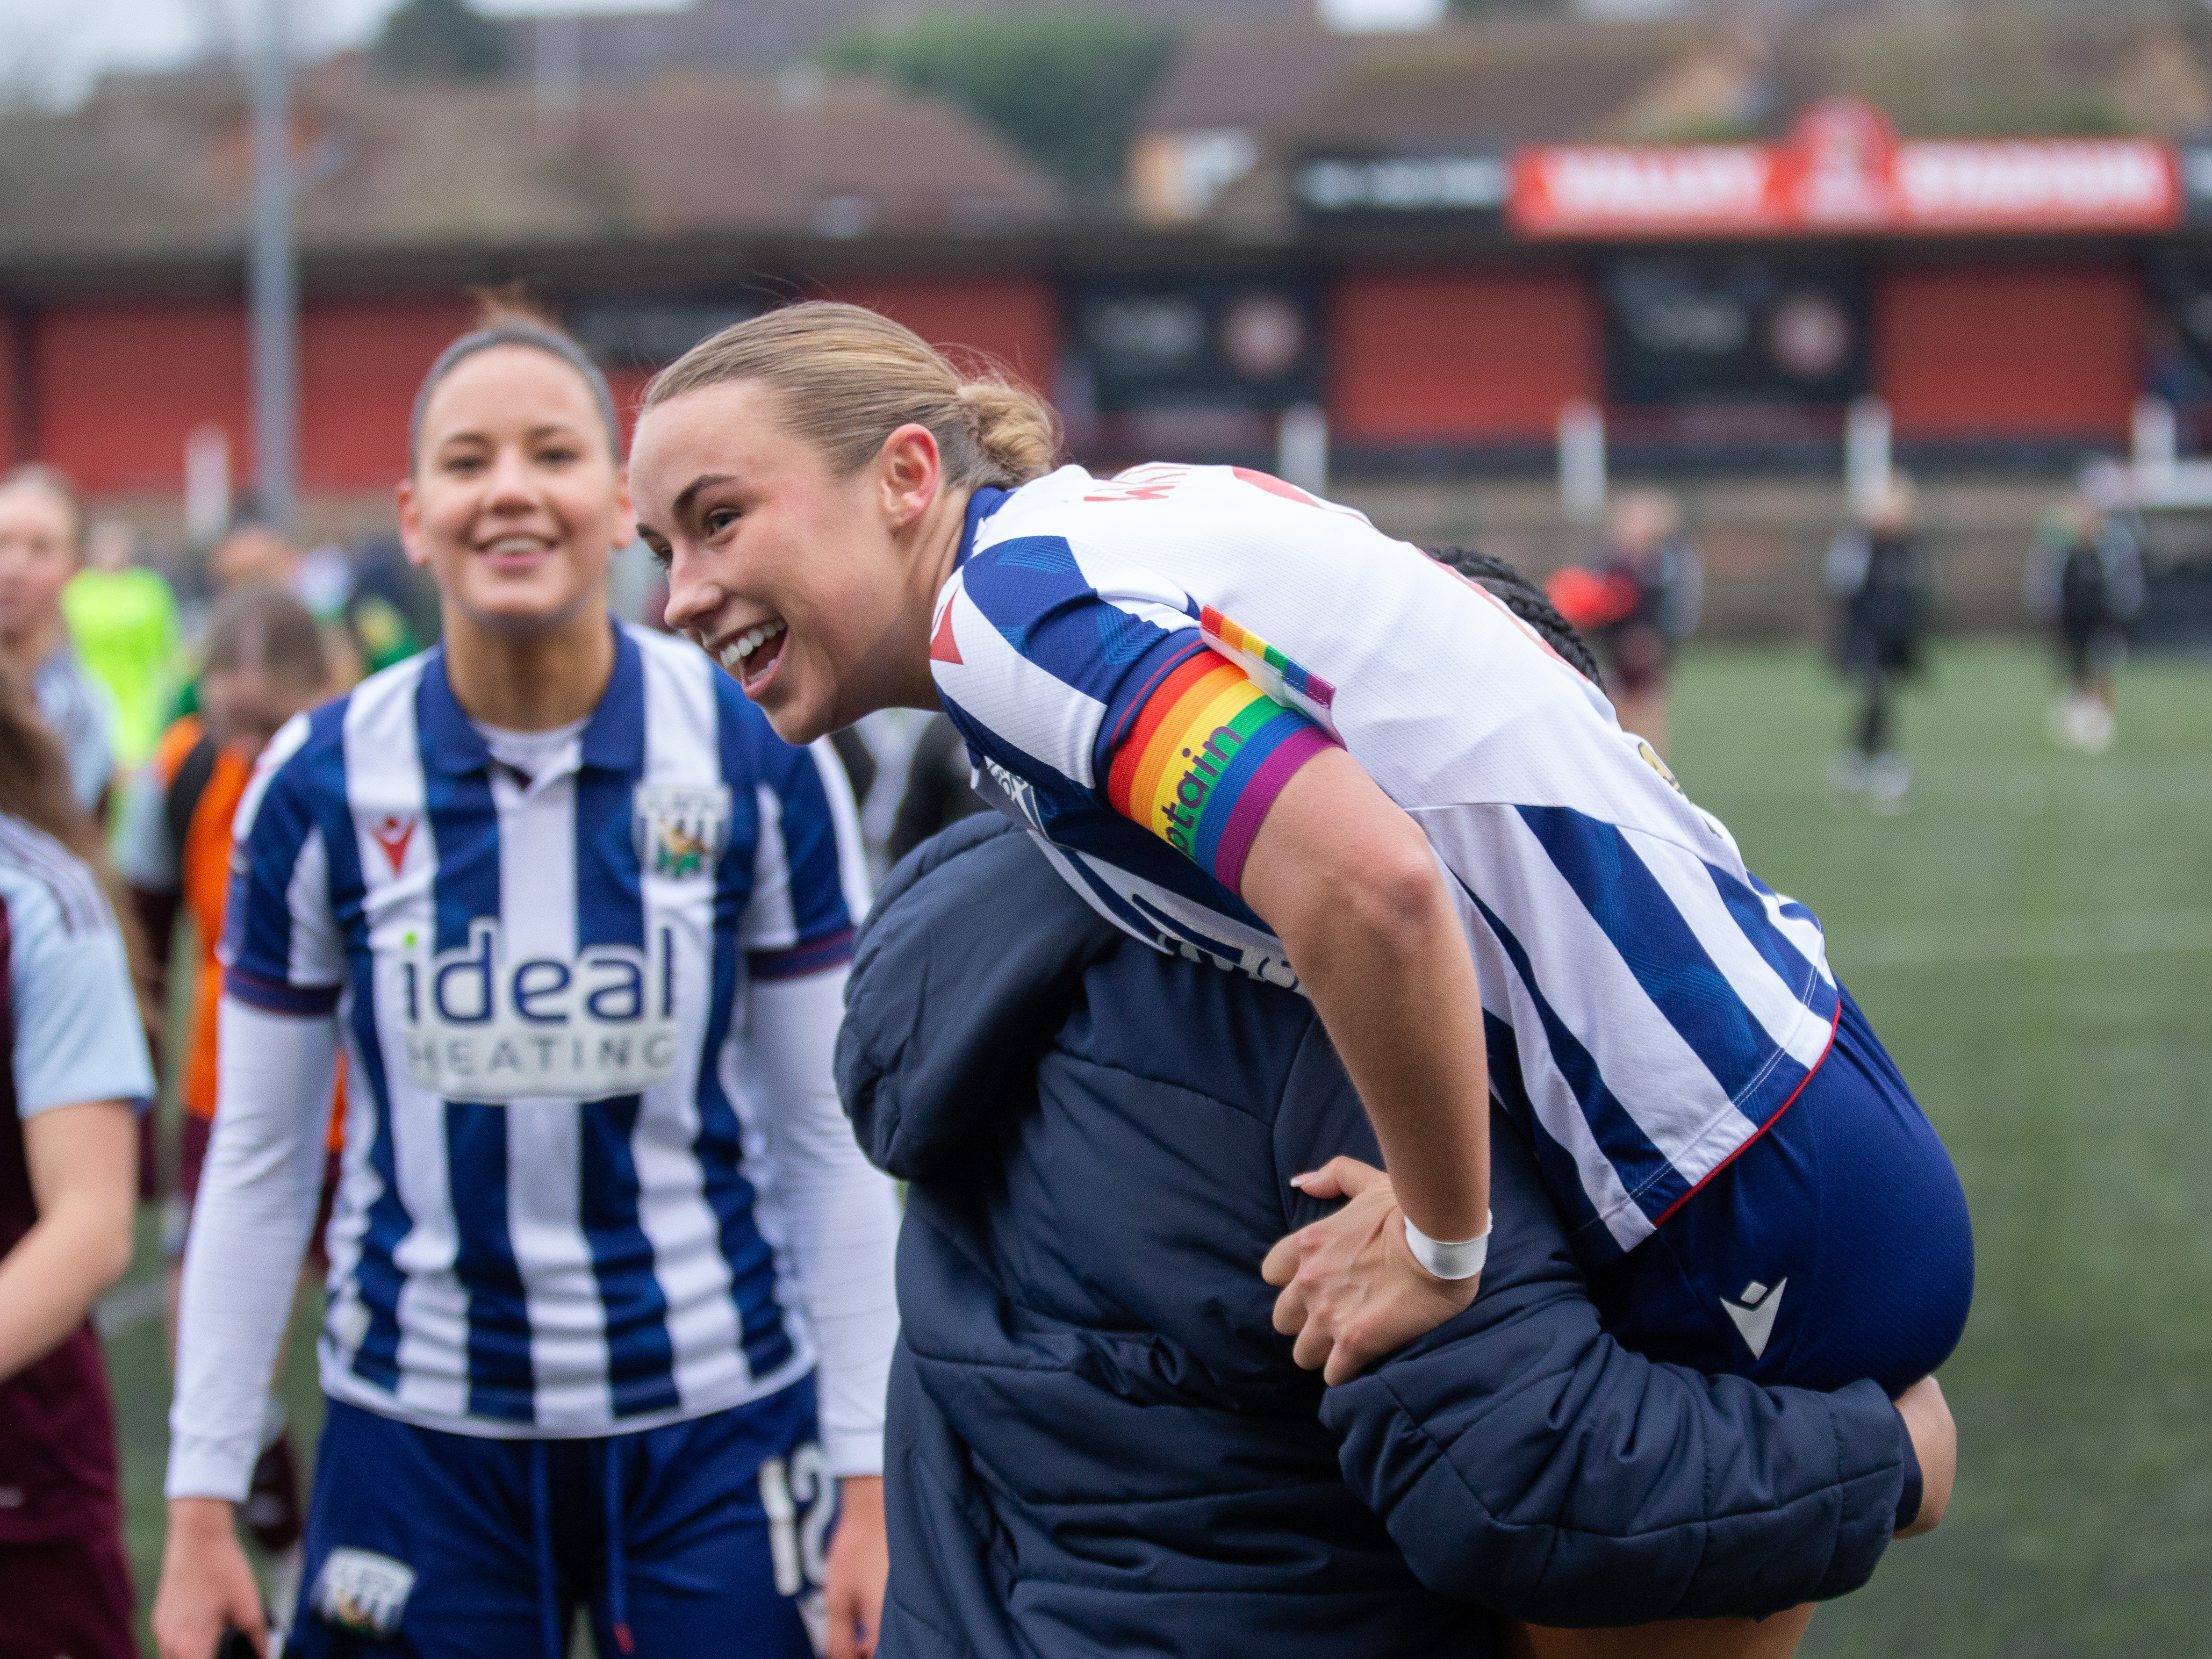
point(1603, 185)
point(478, 1026)
point(1405, 183)
point(2052, 181)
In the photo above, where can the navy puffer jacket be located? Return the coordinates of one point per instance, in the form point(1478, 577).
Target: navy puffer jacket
point(1098, 1444)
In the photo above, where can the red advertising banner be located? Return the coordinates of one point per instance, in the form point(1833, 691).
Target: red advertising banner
point(1842, 170)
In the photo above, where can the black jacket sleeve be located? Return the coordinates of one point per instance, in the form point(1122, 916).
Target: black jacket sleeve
point(1525, 1460)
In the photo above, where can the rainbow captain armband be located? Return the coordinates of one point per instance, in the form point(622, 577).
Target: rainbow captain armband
point(1286, 681)
point(1206, 757)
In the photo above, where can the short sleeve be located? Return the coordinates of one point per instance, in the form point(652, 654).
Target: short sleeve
point(281, 949)
point(1040, 656)
point(808, 884)
point(1082, 670)
point(77, 1034)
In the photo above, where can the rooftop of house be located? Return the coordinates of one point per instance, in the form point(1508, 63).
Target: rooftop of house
point(153, 166)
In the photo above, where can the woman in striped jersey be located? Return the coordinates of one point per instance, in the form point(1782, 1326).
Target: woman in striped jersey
point(609, 1306)
point(1248, 727)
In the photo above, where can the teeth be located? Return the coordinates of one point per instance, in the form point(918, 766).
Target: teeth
point(735, 653)
point(507, 545)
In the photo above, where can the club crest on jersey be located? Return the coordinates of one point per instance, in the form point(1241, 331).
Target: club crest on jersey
point(1013, 795)
point(481, 1025)
point(1650, 758)
point(362, 1592)
point(680, 827)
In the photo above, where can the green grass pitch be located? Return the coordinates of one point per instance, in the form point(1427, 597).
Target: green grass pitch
point(2033, 942)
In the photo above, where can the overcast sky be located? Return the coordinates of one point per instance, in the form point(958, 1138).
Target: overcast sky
point(53, 49)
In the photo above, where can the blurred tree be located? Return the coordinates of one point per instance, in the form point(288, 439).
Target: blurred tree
point(1064, 86)
point(440, 40)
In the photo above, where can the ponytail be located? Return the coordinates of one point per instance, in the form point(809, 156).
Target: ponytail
point(849, 378)
point(1016, 435)
point(1525, 600)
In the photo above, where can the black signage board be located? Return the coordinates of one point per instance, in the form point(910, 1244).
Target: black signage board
point(2179, 365)
point(2196, 185)
point(1459, 188)
point(1196, 342)
point(1734, 330)
point(653, 333)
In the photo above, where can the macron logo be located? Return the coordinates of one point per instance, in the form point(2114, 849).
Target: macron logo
point(393, 836)
point(1754, 1314)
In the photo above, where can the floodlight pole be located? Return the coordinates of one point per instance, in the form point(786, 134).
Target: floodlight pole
point(273, 275)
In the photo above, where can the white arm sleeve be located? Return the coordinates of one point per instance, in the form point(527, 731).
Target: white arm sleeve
point(841, 1213)
point(250, 1227)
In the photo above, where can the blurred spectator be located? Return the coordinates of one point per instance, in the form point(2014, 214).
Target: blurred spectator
point(859, 763)
point(251, 551)
point(367, 608)
point(937, 792)
point(2171, 371)
point(76, 1074)
point(909, 774)
point(393, 611)
point(2085, 579)
point(636, 593)
point(1877, 574)
point(123, 617)
point(41, 545)
point(1641, 602)
point(256, 554)
point(265, 662)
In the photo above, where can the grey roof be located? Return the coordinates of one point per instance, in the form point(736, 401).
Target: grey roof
point(1533, 77)
point(756, 35)
point(158, 167)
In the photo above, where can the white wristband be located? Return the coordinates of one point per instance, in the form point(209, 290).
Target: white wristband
point(1446, 1259)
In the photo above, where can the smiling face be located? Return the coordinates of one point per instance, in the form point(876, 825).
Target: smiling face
point(38, 556)
point(804, 586)
point(516, 502)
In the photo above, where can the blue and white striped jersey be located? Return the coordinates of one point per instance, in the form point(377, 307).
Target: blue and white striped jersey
point(557, 1215)
point(1650, 1006)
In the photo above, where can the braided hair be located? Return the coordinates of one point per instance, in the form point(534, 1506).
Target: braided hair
point(1525, 600)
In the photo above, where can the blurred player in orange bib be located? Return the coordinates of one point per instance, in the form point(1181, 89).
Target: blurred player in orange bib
point(265, 662)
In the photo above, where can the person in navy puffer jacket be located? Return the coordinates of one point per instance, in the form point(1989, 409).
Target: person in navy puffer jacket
point(1098, 1444)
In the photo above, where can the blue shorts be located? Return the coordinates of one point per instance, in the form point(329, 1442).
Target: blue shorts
point(701, 1537)
point(1835, 1247)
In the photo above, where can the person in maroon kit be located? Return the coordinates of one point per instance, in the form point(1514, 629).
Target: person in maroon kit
point(75, 1078)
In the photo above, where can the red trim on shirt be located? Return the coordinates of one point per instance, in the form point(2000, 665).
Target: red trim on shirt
point(1827, 1049)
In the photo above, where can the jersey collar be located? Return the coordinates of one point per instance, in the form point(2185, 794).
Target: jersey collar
point(987, 500)
point(614, 740)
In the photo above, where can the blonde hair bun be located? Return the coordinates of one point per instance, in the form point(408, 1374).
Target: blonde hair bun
point(850, 377)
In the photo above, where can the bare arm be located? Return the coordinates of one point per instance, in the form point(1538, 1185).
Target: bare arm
point(83, 1163)
point(1349, 883)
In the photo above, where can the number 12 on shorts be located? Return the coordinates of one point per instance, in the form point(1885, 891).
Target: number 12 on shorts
point(800, 1501)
